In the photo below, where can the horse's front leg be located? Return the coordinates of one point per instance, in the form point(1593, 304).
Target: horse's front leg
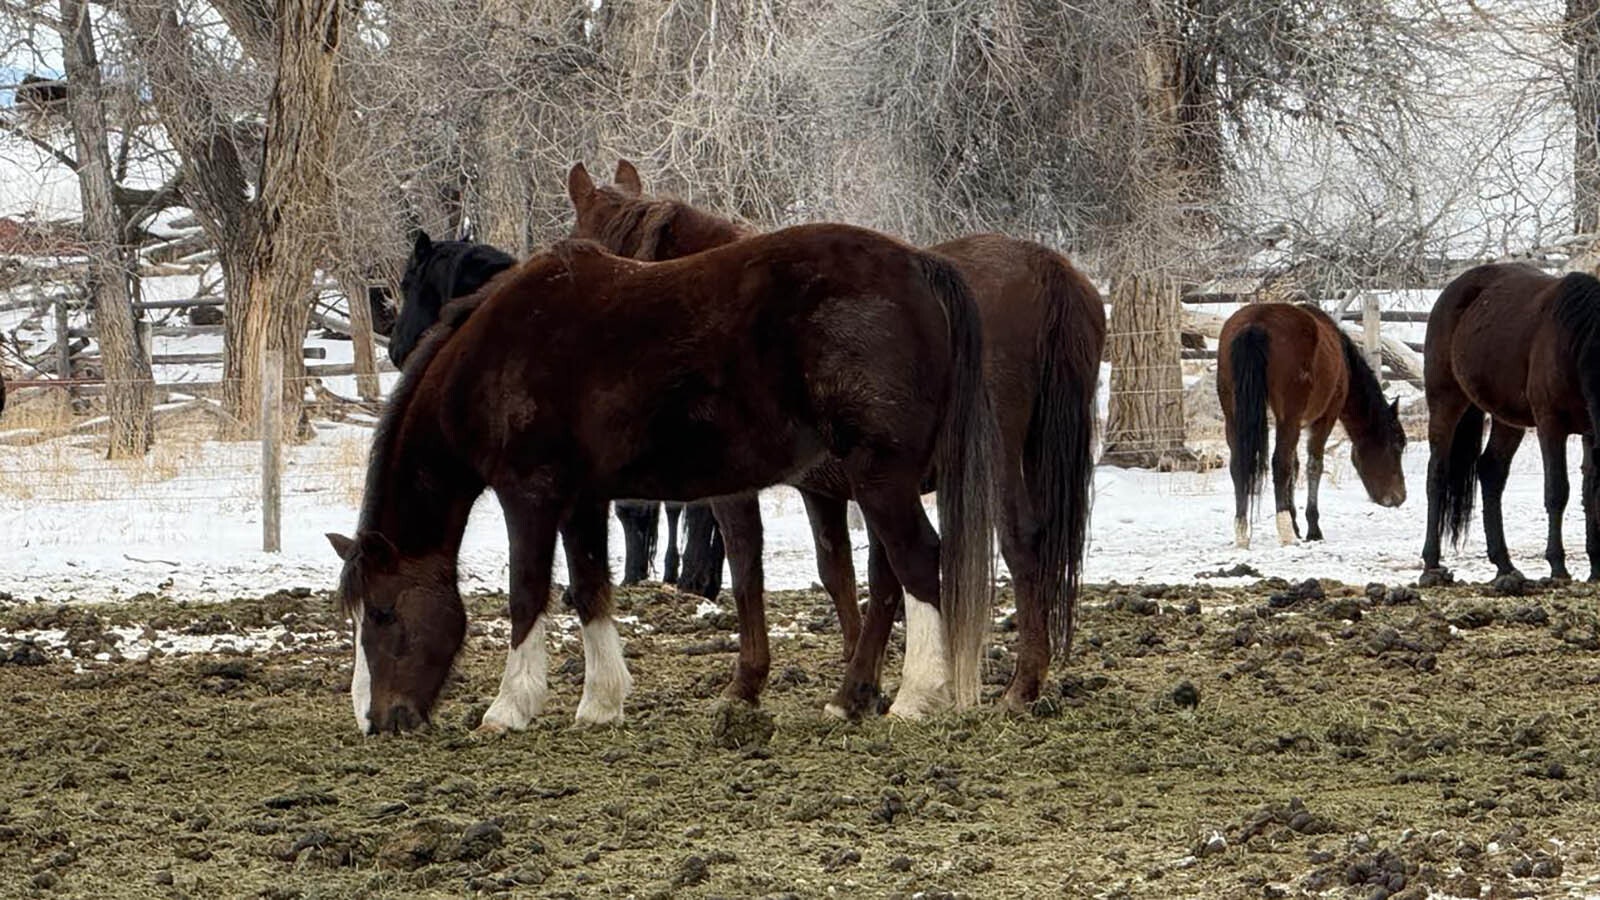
point(669, 566)
point(606, 681)
point(524, 686)
point(830, 532)
point(1316, 446)
point(740, 520)
point(1284, 461)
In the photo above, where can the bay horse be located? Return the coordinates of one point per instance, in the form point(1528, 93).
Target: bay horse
point(577, 376)
point(440, 271)
point(1296, 361)
point(1044, 329)
point(1522, 347)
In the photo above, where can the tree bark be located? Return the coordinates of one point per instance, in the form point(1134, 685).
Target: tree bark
point(355, 291)
point(292, 216)
point(129, 386)
point(1145, 421)
point(1583, 33)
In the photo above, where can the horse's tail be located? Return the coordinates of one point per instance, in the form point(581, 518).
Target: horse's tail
point(965, 479)
point(1248, 368)
point(1460, 481)
point(1578, 315)
point(1058, 450)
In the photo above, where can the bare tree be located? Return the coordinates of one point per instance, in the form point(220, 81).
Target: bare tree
point(129, 385)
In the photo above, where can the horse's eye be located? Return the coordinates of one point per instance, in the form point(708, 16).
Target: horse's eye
point(380, 616)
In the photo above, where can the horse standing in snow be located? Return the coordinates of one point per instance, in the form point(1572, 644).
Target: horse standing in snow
point(1522, 347)
point(1294, 360)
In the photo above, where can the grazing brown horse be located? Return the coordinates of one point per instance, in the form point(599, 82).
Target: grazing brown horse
point(577, 377)
point(1522, 347)
point(1296, 361)
point(1044, 328)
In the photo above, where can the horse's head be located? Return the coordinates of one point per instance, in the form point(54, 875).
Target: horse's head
point(422, 300)
point(409, 625)
point(598, 207)
point(1376, 455)
point(437, 273)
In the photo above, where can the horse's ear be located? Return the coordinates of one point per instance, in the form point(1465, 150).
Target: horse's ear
point(421, 244)
point(1394, 407)
point(342, 545)
point(377, 551)
point(580, 187)
point(627, 178)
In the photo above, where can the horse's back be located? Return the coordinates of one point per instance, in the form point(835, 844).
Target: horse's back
point(1481, 333)
point(1306, 375)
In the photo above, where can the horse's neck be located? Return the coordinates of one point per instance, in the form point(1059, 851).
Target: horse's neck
point(423, 500)
point(1354, 415)
point(703, 232)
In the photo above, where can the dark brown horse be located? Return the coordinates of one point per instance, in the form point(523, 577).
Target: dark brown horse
point(1044, 329)
point(577, 377)
point(1522, 347)
point(1296, 361)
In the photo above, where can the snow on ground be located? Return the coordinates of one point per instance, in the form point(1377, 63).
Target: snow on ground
point(187, 523)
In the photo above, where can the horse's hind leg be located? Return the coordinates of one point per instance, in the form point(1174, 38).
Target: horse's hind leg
point(641, 521)
point(1556, 492)
point(1493, 467)
point(1444, 416)
point(740, 518)
point(1591, 508)
point(525, 684)
point(669, 567)
point(1316, 445)
point(1284, 462)
point(861, 693)
point(1019, 533)
point(893, 508)
point(830, 532)
point(606, 681)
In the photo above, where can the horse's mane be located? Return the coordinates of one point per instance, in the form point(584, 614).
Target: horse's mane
point(646, 221)
point(1364, 386)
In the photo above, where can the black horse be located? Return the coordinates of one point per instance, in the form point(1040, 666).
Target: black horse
point(440, 271)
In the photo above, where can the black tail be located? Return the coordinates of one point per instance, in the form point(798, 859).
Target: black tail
point(1249, 371)
point(1460, 483)
point(1578, 313)
point(1058, 451)
point(965, 482)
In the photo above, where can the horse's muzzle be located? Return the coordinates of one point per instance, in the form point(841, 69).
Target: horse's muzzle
point(401, 717)
point(1393, 498)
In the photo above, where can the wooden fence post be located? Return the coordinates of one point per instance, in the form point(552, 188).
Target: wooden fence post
point(1372, 337)
point(271, 449)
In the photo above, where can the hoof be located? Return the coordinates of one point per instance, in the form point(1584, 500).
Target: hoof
point(1314, 534)
point(1241, 534)
point(855, 701)
point(1286, 529)
point(1511, 584)
point(736, 725)
point(492, 729)
point(1435, 577)
point(1560, 575)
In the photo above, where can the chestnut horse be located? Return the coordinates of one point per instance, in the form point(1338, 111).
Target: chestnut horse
point(440, 271)
point(1294, 360)
point(1523, 348)
point(576, 377)
point(1044, 328)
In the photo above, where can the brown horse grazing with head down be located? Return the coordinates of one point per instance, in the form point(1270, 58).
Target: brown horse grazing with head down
point(1522, 347)
point(1296, 361)
point(1044, 328)
point(577, 377)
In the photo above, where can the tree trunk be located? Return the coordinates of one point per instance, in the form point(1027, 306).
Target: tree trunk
point(1173, 185)
point(292, 218)
point(129, 386)
point(355, 291)
point(1583, 33)
point(503, 201)
point(1145, 422)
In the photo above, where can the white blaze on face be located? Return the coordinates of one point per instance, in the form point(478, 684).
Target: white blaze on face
point(524, 685)
point(361, 680)
point(605, 674)
point(925, 682)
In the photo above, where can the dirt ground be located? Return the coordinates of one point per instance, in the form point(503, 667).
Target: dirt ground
point(1270, 741)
